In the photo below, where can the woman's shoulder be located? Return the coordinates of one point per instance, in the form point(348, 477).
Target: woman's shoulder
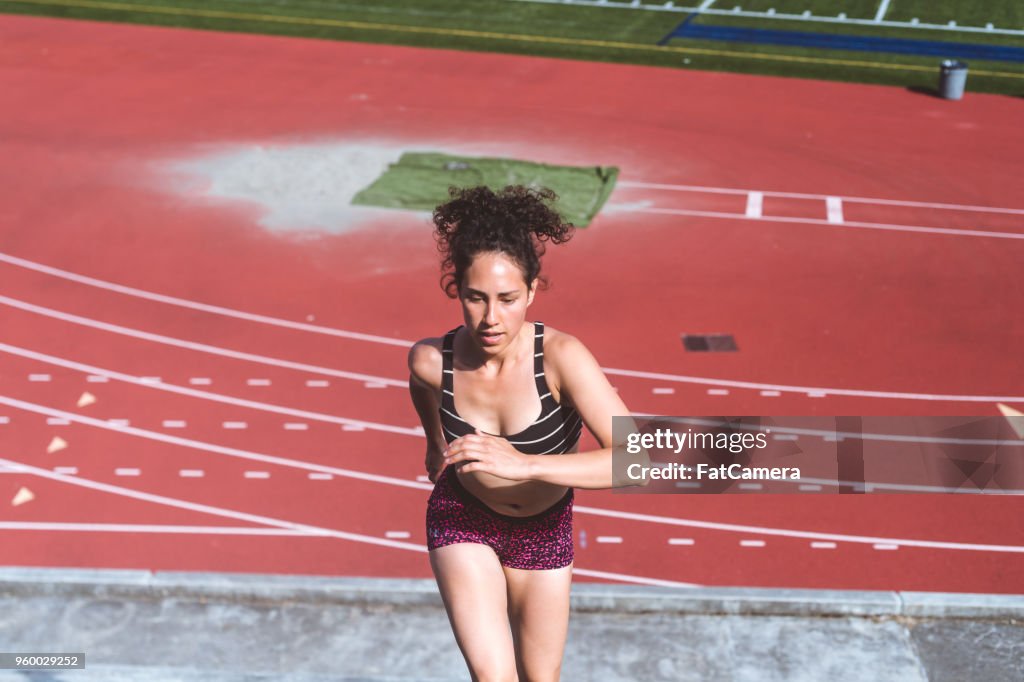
point(565, 355)
point(425, 361)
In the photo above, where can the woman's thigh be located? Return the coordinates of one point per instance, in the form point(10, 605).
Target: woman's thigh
point(538, 609)
point(473, 588)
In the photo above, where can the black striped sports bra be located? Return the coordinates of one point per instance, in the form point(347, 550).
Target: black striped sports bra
point(555, 431)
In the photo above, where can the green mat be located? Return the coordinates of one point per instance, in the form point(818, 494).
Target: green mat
point(420, 181)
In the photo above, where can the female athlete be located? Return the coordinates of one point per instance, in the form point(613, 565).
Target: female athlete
point(503, 401)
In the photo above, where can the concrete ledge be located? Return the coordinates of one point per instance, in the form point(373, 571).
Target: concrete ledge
point(586, 597)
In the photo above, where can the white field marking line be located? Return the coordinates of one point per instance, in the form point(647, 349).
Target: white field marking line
point(883, 7)
point(622, 372)
point(147, 528)
point(834, 210)
point(207, 509)
point(823, 545)
point(193, 346)
point(206, 395)
point(218, 310)
point(219, 449)
point(38, 377)
point(609, 539)
point(891, 227)
point(245, 454)
point(282, 524)
point(777, 15)
point(705, 5)
point(803, 195)
point(755, 205)
point(782, 532)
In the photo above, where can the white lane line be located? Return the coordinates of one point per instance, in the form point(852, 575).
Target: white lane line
point(755, 204)
point(817, 394)
point(608, 539)
point(801, 195)
point(885, 546)
point(663, 391)
point(889, 395)
point(398, 534)
point(39, 377)
point(893, 395)
point(718, 391)
point(288, 525)
point(5, 420)
point(752, 543)
point(119, 422)
point(257, 474)
point(680, 541)
point(200, 381)
point(217, 397)
point(892, 227)
point(823, 545)
point(374, 384)
point(293, 426)
point(56, 421)
point(883, 7)
point(424, 479)
point(194, 346)
point(751, 486)
point(257, 382)
point(834, 210)
point(150, 380)
point(66, 470)
point(425, 485)
point(319, 476)
point(94, 379)
point(191, 473)
point(127, 471)
point(235, 425)
point(809, 488)
point(770, 394)
point(147, 528)
point(194, 305)
point(210, 447)
point(174, 423)
point(357, 427)
point(316, 383)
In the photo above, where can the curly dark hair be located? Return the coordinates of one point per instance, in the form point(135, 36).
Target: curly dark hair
point(517, 221)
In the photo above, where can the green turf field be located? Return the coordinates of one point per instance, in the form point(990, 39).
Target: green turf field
point(614, 32)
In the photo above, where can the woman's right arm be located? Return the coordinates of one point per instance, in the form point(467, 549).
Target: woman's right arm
point(425, 391)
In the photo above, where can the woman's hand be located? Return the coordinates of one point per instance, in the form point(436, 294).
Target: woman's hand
point(488, 454)
point(434, 464)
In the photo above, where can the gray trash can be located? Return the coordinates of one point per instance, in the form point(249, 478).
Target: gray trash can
point(952, 79)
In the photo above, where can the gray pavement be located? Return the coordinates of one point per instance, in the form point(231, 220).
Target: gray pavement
point(168, 627)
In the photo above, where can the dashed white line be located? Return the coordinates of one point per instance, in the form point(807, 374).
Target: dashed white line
point(375, 384)
point(663, 391)
point(56, 421)
point(771, 394)
point(293, 426)
point(191, 473)
point(257, 474)
point(680, 541)
point(257, 382)
point(751, 486)
point(38, 377)
point(823, 545)
point(200, 381)
point(5, 420)
point(755, 204)
point(174, 423)
point(608, 539)
point(398, 534)
point(127, 471)
point(752, 543)
point(785, 436)
point(119, 422)
point(70, 471)
point(317, 383)
point(718, 391)
point(97, 379)
point(810, 488)
point(319, 476)
point(352, 427)
point(885, 546)
point(235, 425)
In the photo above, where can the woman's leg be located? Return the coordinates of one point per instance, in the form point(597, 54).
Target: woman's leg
point(472, 586)
point(538, 609)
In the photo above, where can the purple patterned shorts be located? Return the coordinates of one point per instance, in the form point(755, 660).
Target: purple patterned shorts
point(539, 542)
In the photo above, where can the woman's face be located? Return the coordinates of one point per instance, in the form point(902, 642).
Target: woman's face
point(494, 300)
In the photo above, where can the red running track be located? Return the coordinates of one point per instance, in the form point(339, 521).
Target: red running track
point(323, 478)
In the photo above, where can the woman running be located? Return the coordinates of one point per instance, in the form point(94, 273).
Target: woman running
point(499, 397)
